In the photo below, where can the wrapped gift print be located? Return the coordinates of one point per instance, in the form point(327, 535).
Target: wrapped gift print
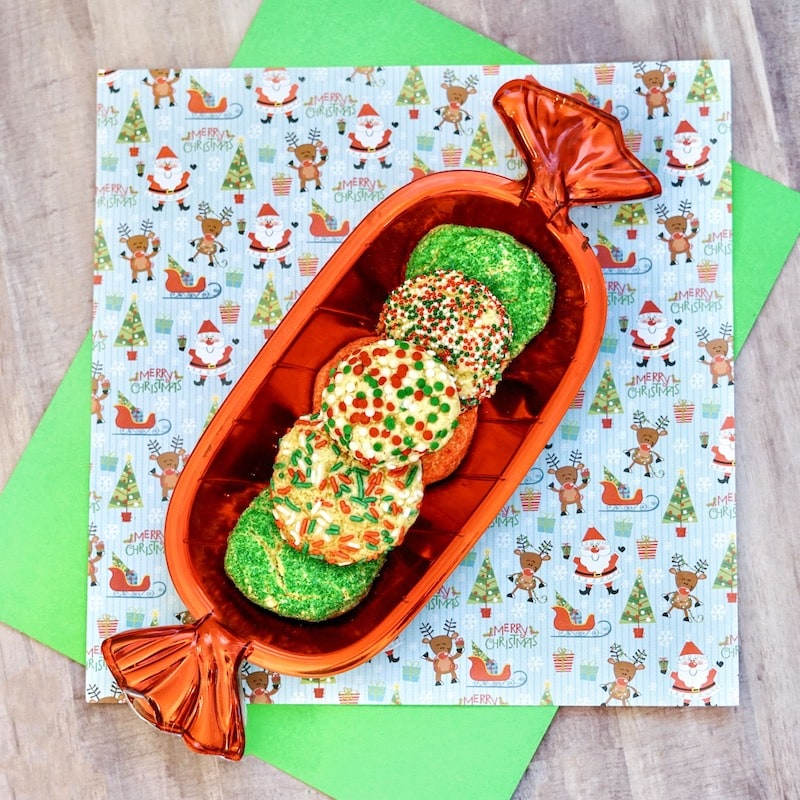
point(610, 577)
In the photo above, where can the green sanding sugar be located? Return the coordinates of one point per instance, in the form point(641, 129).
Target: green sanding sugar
point(511, 271)
point(285, 581)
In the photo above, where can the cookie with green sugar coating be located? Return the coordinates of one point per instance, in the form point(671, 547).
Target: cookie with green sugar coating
point(514, 273)
point(271, 574)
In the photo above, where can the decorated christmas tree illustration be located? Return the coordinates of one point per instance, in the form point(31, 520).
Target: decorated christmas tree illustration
point(638, 610)
point(102, 257)
point(481, 153)
point(131, 333)
point(724, 189)
point(211, 411)
point(126, 494)
point(134, 130)
point(727, 577)
point(631, 215)
point(606, 399)
point(547, 697)
point(704, 88)
point(485, 590)
point(239, 177)
point(396, 695)
point(268, 311)
point(319, 684)
point(196, 86)
point(413, 93)
point(680, 509)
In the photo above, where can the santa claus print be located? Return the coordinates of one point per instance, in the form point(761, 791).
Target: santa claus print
point(725, 450)
point(277, 94)
point(271, 239)
point(694, 677)
point(371, 138)
point(211, 355)
point(169, 182)
point(688, 155)
point(653, 336)
point(596, 563)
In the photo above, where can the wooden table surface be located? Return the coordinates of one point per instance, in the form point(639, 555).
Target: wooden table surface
point(52, 744)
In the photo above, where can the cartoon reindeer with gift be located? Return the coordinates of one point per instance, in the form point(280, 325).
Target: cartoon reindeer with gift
point(442, 646)
point(100, 387)
point(686, 582)
point(720, 364)
point(655, 94)
point(211, 226)
point(621, 688)
point(530, 562)
point(311, 155)
point(139, 247)
point(168, 463)
point(678, 241)
point(647, 437)
point(569, 490)
point(457, 94)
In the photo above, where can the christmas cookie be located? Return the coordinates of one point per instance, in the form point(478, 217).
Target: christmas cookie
point(513, 273)
point(459, 320)
point(389, 402)
point(274, 576)
point(330, 506)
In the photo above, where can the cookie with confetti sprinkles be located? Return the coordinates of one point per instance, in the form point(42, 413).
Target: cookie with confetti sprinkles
point(277, 577)
point(329, 506)
point(459, 320)
point(512, 272)
point(389, 402)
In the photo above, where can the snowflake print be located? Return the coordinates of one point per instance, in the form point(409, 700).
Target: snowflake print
point(665, 637)
point(164, 124)
point(188, 426)
point(214, 163)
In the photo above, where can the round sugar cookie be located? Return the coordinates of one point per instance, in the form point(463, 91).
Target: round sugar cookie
point(459, 320)
point(329, 506)
point(389, 402)
point(512, 272)
point(274, 576)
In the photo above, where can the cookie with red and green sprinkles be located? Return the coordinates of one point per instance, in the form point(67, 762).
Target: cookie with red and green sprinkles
point(459, 320)
point(513, 273)
point(328, 505)
point(277, 577)
point(389, 402)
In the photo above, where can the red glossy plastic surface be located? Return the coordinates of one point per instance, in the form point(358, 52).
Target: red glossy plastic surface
point(575, 154)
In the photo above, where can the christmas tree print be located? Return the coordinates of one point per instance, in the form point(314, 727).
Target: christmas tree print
point(704, 87)
point(126, 494)
point(637, 609)
point(134, 129)
point(211, 411)
point(268, 311)
point(606, 399)
point(547, 697)
point(629, 216)
point(239, 176)
point(724, 189)
point(196, 86)
point(727, 577)
point(396, 695)
point(481, 153)
point(413, 93)
point(680, 509)
point(131, 333)
point(485, 590)
point(102, 257)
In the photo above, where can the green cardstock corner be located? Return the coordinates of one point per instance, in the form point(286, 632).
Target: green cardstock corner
point(487, 748)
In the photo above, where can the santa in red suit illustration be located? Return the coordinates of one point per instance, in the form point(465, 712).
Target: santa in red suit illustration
point(725, 450)
point(271, 239)
point(595, 563)
point(694, 677)
point(653, 336)
point(688, 155)
point(277, 94)
point(169, 182)
point(210, 355)
point(371, 139)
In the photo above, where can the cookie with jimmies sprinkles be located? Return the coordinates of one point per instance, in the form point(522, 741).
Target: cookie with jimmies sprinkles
point(328, 505)
point(459, 320)
point(389, 402)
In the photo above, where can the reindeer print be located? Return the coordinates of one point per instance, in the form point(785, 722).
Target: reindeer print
point(686, 582)
point(720, 364)
point(139, 247)
point(211, 226)
point(655, 94)
point(530, 563)
point(569, 491)
point(676, 225)
point(311, 155)
point(162, 85)
point(442, 646)
point(457, 94)
point(100, 387)
point(621, 689)
point(168, 463)
point(646, 437)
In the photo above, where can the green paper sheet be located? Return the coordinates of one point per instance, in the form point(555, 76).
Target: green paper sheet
point(493, 745)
